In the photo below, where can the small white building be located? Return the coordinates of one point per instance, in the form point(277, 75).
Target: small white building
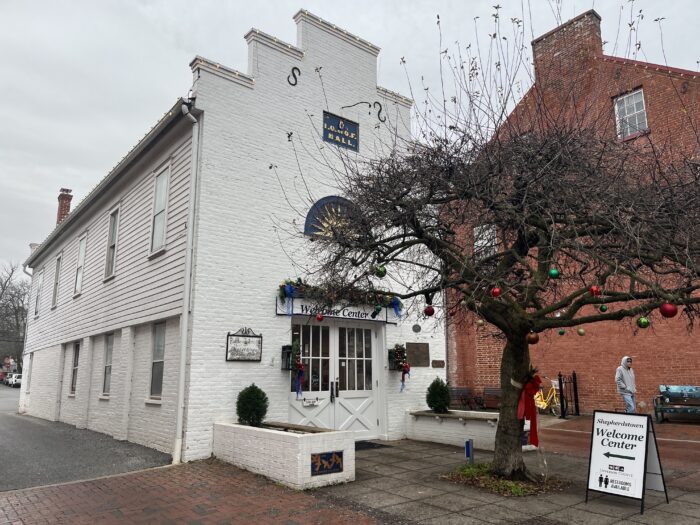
point(137, 292)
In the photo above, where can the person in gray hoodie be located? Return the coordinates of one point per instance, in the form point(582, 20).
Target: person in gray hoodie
point(626, 387)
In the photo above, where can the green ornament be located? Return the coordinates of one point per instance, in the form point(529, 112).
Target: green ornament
point(554, 273)
point(643, 322)
point(562, 331)
point(603, 308)
point(378, 308)
point(380, 271)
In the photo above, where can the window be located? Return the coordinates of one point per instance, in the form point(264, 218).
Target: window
point(109, 345)
point(79, 270)
point(40, 282)
point(158, 358)
point(56, 277)
point(112, 243)
point(485, 241)
point(74, 373)
point(630, 114)
point(159, 211)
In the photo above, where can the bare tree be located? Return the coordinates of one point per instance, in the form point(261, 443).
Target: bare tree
point(14, 296)
point(533, 224)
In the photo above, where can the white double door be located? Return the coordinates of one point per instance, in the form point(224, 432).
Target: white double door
point(339, 384)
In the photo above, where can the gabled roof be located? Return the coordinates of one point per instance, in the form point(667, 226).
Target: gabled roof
point(170, 116)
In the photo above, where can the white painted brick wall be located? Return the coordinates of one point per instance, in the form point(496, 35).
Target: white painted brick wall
point(453, 431)
point(244, 218)
point(40, 401)
point(103, 410)
point(153, 425)
point(283, 456)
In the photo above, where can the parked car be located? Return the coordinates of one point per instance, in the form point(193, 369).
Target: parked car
point(2, 376)
point(6, 381)
point(16, 381)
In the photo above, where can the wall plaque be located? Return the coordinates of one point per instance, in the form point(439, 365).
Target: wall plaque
point(438, 363)
point(418, 354)
point(340, 131)
point(243, 345)
point(326, 463)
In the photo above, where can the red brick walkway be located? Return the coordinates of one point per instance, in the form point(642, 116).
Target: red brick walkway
point(205, 492)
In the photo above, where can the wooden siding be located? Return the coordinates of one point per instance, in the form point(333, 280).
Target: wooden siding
point(143, 288)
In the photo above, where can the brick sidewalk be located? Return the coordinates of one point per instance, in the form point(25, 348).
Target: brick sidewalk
point(205, 492)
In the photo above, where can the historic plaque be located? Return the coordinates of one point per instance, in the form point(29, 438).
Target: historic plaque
point(326, 463)
point(438, 363)
point(341, 132)
point(243, 345)
point(418, 354)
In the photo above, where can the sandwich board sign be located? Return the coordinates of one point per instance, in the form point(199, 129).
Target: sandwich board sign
point(624, 458)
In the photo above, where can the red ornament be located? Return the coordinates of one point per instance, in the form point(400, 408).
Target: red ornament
point(495, 292)
point(668, 310)
point(533, 338)
point(595, 290)
point(319, 317)
point(429, 311)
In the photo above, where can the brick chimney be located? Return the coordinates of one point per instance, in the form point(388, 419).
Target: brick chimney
point(568, 48)
point(64, 198)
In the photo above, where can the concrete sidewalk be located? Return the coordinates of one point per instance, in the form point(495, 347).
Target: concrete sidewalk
point(398, 482)
point(401, 483)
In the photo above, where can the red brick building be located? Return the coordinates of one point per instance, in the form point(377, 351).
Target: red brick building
point(651, 106)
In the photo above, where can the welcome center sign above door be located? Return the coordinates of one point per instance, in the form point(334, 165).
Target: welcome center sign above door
point(340, 131)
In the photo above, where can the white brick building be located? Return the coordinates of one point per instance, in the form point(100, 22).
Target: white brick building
point(187, 240)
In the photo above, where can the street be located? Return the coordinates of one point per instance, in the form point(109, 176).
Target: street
point(37, 452)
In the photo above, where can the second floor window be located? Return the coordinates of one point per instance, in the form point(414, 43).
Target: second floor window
point(112, 243)
point(40, 282)
point(79, 270)
point(56, 277)
point(630, 114)
point(485, 241)
point(159, 211)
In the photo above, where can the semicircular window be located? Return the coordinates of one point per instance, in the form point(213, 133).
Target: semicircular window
point(327, 214)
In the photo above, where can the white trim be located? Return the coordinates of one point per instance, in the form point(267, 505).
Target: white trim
point(617, 114)
point(37, 297)
point(56, 285)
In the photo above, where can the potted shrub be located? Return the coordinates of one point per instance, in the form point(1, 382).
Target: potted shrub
point(251, 406)
point(438, 396)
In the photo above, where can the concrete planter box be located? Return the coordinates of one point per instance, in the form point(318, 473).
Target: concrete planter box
point(456, 427)
point(453, 428)
point(284, 456)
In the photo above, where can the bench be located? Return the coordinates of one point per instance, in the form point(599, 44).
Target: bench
point(462, 398)
point(674, 399)
point(492, 397)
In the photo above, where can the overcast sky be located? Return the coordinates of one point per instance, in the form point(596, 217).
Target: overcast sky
point(84, 80)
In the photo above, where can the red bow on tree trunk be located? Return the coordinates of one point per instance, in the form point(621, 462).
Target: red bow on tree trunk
point(527, 408)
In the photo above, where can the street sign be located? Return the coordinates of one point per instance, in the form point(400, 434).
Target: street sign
point(624, 458)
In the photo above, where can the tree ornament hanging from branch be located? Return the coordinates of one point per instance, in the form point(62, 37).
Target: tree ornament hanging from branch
point(581, 331)
point(562, 331)
point(554, 273)
point(643, 322)
point(668, 310)
point(595, 290)
point(533, 338)
point(380, 271)
point(319, 317)
point(603, 308)
point(480, 322)
point(495, 292)
point(429, 311)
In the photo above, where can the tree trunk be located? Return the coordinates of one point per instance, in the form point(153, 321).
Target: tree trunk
point(508, 457)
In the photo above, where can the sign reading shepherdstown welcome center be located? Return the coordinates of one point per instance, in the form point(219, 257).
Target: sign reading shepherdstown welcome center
point(624, 458)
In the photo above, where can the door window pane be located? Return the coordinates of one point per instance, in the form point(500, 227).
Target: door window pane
point(359, 343)
point(325, 345)
point(315, 341)
point(341, 342)
point(368, 375)
point(360, 374)
point(342, 374)
point(351, 342)
point(368, 344)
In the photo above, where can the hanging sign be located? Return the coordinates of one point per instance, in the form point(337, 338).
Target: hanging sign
point(341, 132)
point(300, 306)
point(243, 345)
point(624, 458)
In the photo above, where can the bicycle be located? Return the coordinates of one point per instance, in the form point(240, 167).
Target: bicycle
point(551, 401)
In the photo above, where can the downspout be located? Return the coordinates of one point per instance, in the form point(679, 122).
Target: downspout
point(185, 318)
point(22, 408)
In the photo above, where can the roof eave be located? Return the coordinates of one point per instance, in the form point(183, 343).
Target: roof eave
point(164, 123)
